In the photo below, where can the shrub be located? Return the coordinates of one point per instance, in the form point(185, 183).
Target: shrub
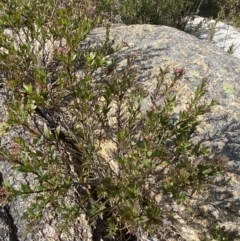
point(224, 10)
point(71, 102)
point(170, 13)
point(231, 12)
point(160, 12)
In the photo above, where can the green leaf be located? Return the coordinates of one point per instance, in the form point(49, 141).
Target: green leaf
point(28, 88)
point(57, 131)
point(46, 131)
point(45, 177)
point(6, 183)
point(207, 171)
point(25, 188)
point(121, 135)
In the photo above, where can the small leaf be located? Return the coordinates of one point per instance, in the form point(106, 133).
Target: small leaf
point(28, 88)
point(57, 131)
point(6, 183)
point(207, 171)
point(46, 130)
point(121, 135)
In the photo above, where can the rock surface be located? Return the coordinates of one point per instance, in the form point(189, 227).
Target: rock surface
point(154, 47)
point(220, 34)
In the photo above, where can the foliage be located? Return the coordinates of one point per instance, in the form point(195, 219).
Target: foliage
point(160, 12)
point(70, 102)
point(219, 233)
point(231, 12)
point(170, 13)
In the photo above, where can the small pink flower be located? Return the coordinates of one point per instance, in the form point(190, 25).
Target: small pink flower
point(91, 11)
point(179, 71)
point(63, 50)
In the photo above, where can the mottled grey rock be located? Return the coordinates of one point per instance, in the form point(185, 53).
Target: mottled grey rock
point(220, 34)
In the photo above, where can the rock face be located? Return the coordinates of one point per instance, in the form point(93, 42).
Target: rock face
point(220, 34)
point(154, 47)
